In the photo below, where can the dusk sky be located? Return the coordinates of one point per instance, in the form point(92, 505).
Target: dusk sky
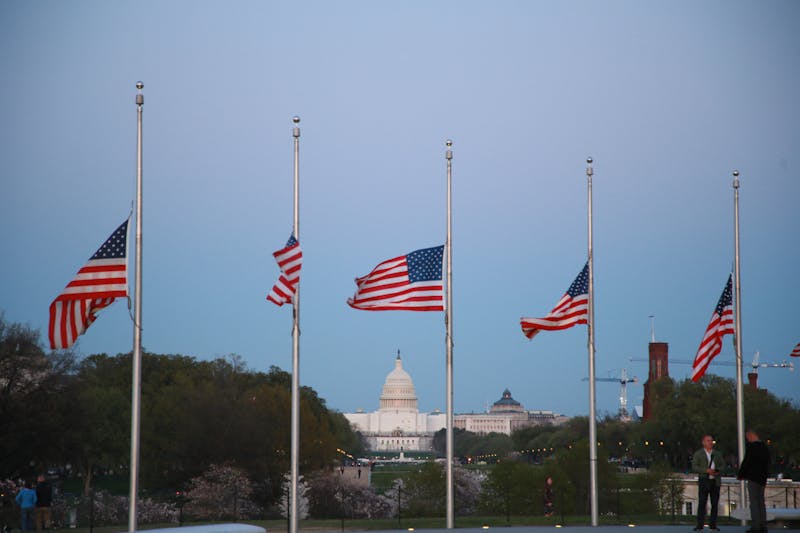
point(667, 97)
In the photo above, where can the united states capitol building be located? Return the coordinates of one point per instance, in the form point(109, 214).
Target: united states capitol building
point(398, 425)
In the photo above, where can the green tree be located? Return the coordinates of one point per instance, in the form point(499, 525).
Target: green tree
point(33, 397)
point(571, 479)
point(687, 410)
point(195, 413)
point(468, 444)
point(97, 433)
point(555, 437)
point(512, 488)
point(666, 490)
point(424, 491)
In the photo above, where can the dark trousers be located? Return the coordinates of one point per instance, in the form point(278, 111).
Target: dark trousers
point(758, 507)
point(42, 518)
point(707, 488)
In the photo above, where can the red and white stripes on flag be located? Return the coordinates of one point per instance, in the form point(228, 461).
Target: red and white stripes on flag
point(103, 279)
point(721, 324)
point(411, 282)
point(572, 309)
point(290, 260)
point(796, 351)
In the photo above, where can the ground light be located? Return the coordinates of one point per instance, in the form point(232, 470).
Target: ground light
point(559, 525)
point(631, 525)
point(485, 526)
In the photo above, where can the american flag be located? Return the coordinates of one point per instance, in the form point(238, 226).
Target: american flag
point(721, 324)
point(103, 279)
point(289, 259)
point(796, 351)
point(572, 309)
point(410, 282)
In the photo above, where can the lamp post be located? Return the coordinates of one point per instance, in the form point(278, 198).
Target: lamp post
point(399, 502)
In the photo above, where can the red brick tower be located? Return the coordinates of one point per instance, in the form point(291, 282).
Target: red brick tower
point(659, 368)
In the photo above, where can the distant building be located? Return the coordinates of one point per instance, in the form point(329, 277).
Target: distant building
point(506, 416)
point(398, 425)
point(658, 360)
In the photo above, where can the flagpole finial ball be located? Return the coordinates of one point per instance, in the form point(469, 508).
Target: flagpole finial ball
point(139, 85)
point(589, 160)
point(296, 119)
point(735, 173)
point(449, 143)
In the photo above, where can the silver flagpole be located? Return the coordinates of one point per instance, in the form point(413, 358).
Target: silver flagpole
point(592, 409)
point(136, 387)
point(448, 318)
point(738, 334)
point(295, 343)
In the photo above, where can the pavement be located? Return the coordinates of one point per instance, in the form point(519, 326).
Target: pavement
point(575, 529)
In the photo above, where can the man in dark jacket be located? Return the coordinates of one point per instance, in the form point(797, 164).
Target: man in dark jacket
point(44, 497)
point(754, 469)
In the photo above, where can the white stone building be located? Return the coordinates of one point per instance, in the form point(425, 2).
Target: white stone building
point(505, 416)
point(398, 425)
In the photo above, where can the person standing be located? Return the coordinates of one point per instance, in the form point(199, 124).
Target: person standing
point(707, 464)
point(44, 497)
point(26, 498)
point(548, 496)
point(755, 468)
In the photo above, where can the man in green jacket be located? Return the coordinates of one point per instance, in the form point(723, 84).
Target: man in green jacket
point(707, 464)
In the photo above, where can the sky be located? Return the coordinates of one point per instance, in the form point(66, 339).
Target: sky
point(669, 98)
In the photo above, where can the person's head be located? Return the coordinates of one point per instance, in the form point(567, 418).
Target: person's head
point(40, 479)
point(708, 442)
point(548, 480)
point(751, 436)
point(28, 483)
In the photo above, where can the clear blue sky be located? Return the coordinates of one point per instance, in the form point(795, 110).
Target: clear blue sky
point(668, 97)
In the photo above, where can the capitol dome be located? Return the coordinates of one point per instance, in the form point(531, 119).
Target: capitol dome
point(398, 389)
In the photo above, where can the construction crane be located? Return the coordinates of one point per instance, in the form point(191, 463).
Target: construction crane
point(623, 381)
point(755, 365)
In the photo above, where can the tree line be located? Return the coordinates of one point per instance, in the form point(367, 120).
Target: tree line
point(684, 411)
point(59, 411)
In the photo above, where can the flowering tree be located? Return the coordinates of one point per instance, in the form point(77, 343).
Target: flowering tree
point(8, 491)
point(394, 497)
point(302, 498)
point(467, 485)
point(104, 508)
point(423, 492)
point(221, 492)
point(334, 496)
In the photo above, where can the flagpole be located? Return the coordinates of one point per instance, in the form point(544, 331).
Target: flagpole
point(592, 408)
point(448, 317)
point(136, 387)
point(295, 453)
point(738, 334)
